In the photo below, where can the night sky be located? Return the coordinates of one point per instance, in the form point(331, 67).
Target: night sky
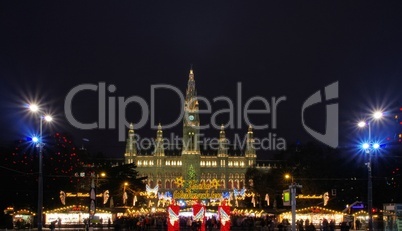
point(273, 48)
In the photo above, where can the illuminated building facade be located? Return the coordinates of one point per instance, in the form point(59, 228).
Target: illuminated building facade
point(162, 170)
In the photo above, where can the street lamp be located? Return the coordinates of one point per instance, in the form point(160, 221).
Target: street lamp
point(125, 197)
point(92, 197)
point(39, 140)
point(368, 147)
point(288, 176)
point(293, 186)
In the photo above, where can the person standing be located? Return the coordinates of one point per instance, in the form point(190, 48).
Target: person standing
point(332, 225)
point(325, 225)
point(59, 223)
point(358, 224)
point(52, 225)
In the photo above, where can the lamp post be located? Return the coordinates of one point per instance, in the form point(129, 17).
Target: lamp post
point(92, 198)
point(34, 108)
point(125, 193)
point(92, 203)
point(101, 175)
point(368, 147)
point(293, 186)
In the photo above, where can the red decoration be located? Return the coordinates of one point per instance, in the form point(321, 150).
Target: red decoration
point(199, 214)
point(224, 216)
point(173, 217)
point(315, 210)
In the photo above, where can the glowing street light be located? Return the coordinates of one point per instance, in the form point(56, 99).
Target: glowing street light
point(362, 124)
point(368, 147)
point(35, 109)
point(125, 197)
point(377, 115)
point(35, 139)
point(376, 146)
point(48, 118)
point(365, 146)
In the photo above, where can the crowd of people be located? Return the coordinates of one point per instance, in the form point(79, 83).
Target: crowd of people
point(323, 225)
point(264, 223)
point(159, 222)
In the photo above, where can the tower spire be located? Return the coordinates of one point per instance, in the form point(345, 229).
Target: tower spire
point(223, 149)
point(191, 120)
point(191, 154)
point(159, 150)
point(131, 146)
point(250, 150)
point(191, 93)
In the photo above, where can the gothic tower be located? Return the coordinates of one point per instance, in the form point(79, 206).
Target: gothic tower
point(250, 148)
point(223, 156)
point(131, 146)
point(159, 149)
point(223, 143)
point(191, 122)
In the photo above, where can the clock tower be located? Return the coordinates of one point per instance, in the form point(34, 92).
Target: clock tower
point(194, 163)
point(191, 147)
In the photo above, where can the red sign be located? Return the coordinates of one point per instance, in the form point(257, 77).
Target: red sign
point(199, 214)
point(173, 217)
point(224, 217)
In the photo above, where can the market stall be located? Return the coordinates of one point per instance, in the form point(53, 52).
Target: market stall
point(314, 214)
point(75, 214)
